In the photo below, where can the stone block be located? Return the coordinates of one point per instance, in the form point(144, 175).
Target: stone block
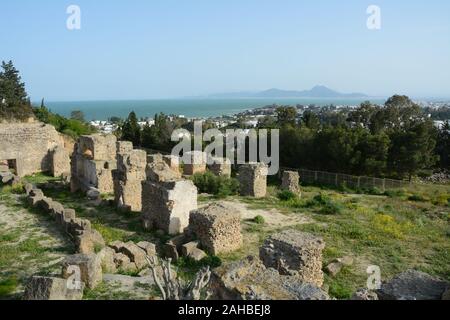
point(88, 265)
point(253, 180)
point(217, 227)
point(295, 253)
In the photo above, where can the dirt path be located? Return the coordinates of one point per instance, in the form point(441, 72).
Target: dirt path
point(273, 217)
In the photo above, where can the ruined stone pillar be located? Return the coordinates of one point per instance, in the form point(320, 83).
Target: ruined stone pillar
point(166, 205)
point(253, 180)
point(220, 166)
point(291, 181)
point(196, 163)
point(128, 178)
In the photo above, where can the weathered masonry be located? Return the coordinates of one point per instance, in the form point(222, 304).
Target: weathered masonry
point(28, 148)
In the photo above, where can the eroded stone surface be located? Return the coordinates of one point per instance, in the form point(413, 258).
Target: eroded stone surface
point(218, 228)
point(250, 280)
point(295, 253)
point(253, 180)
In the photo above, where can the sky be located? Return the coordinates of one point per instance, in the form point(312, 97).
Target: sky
point(151, 49)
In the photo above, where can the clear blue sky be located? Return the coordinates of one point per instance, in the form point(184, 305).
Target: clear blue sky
point(139, 49)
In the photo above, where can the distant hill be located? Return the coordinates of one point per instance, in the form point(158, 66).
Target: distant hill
point(316, 92)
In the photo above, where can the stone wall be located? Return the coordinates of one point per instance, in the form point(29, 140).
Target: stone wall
point(93, 160)
point(29, 145)
point(131, 166)
point(253, 180)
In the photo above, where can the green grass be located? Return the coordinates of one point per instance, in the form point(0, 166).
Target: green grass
point(392, 230)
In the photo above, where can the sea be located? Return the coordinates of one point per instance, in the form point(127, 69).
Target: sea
point(190, 108)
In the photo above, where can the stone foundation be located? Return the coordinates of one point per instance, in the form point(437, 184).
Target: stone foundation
point(295, 253)
point(218, 228)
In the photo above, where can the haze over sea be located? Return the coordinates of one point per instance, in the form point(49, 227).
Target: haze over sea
point(198, 108)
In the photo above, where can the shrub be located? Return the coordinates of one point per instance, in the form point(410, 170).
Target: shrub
point(286, 195)
point(259, 220)
point(328, 206)
point(417, 198)
point(219, 186)
point(396, 193)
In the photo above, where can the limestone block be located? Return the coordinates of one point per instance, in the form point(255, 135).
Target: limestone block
point(295, 253)
point(89, 265)
point(218, 228)
point(60, 161)
point(291, 181)
point(50, 288)
point(253, 180)
point(166, 205)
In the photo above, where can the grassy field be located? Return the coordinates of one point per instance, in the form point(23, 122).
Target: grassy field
point(395, 230)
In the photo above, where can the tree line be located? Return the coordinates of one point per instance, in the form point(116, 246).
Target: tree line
point(396, 140)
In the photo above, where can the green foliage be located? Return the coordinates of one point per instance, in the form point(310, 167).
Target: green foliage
point(286, 195)
point(14, 101)
point(77, 115)
point(417, 198)
point(259, 220)
point(8, 286)
point(71, 127)
point(396, 140)
point(326, 205)
point(131, 131)
point(217, 185)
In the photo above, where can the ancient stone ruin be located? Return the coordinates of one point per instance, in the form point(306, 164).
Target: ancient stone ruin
point(93, 161)
point(28, 148)
point(291, 181)
point(128, 177)
point(173, 162)
point(249, 279)
point(166, 203)
point(220, 166)
point(217, 227)
point(195, 164)
point(253, 180)
point(296, 254)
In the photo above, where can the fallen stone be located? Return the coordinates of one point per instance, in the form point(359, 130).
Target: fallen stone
point(49, 288)
point(217, 227)
point(413, 285)
point(186, 249)
point(196, 254)
point(365, 295)
point(93, 194)
point(36, 192)
point(295, 253)
point(89, 241)
point(250, 280)
point(28, 188)
point(148, 247)
point(334, 268)
point(123, 263)
point(136, 254)
point(66, 217)
point(77, 226)
point(90, 268)
point(170, 251)
point(106, 256)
